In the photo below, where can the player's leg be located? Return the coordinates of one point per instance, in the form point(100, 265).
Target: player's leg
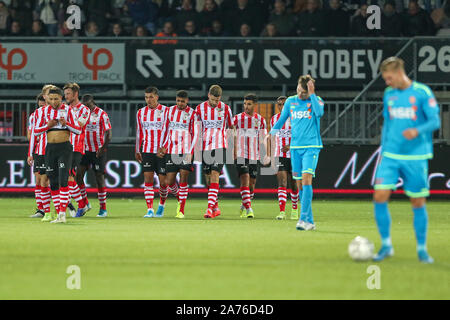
point(101, 193)
point(242, 169)
point(296, 194)
point(45, 190)
point(183, 192)
point(74, 189)
point(309, 160)
point(415, 178)
point(386, 178)
point(282, 193)
point(149, 192)
point(51, 165)
point(163, 186)
point(212, 192)
point(64, 163)
point(83, 205)
point(253, 168)
point(39, 211)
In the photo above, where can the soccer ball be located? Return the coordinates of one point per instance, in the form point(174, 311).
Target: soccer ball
point(361, 249)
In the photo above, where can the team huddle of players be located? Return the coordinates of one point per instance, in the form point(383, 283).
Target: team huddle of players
point(65, 140)
point(167, 139)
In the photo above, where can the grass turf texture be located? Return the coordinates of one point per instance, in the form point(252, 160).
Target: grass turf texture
point(128, 257)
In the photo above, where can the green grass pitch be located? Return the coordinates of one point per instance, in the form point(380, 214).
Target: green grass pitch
point(128, 257)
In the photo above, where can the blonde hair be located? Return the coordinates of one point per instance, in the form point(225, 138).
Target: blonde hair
point(47, 88)
point(215, 90)
point(392, 63)
point(73, 86)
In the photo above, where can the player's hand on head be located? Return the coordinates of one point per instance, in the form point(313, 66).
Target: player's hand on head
point(410, 134)
point(311, 87)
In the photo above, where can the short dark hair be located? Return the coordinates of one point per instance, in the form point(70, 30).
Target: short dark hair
point(87, 98)
point(251, 96)
point(40, 96)
point(57, 91)
point(281, 98)
point(182, 94)
point(152, 90)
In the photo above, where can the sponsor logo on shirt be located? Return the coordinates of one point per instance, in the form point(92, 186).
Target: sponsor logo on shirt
point(252, 133)
point(432, 102)
point(301, 114)
point(213, 124)
point(152, 125)
point(178, 126)
point(403, 113)
point(284, 133)
point(91, 127)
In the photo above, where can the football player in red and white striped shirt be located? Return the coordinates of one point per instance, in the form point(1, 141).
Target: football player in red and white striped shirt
point(215, 117)
point(96, 141)
point(149, 133)
point(36, 158)
point(180, 136)
point(71, 94)
point(280, 151)
point(250, 132)
point(57, 120)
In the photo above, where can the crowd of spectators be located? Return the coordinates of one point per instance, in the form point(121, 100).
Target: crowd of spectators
point(216, 18)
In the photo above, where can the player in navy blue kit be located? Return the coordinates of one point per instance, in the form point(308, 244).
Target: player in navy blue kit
point(304, 111)
point(411, 114)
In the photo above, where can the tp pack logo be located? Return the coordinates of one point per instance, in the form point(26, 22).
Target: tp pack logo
point(95, 67)
point(10, 66)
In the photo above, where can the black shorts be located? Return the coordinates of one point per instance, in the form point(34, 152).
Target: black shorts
point(76, 160)
point(39, 164)
point(151, 162)
point(213, 160)
point(58, 160)
point(177, 162)
point(283, 164)
point(244, 166)
point(90, 160)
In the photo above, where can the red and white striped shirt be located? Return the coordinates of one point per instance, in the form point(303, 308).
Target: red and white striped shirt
point(47, 113)
point(250, 131)
point(214, 122)
point(149, 128)
point(96, 126)
point(37, 144)
point(282, 138)
point(180, 131)
point(82, 115)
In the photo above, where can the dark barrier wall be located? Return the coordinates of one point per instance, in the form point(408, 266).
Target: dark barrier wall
point(342, 170)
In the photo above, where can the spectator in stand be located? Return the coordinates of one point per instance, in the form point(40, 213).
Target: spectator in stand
point(391, 21)
point(417, 22)
point(100, 12)
point(168, 31)
point(441, 19)
point(245, 31)
point(209, 13)
point(117, 30)
point(190, 30)
point(144, 13)
point(5, 18)
point(283, 21)
point(91, 29)
point(311, 22)
point(47, 12)
point(16, 30)
point(37, 29)
point(270, 31)
point(22, 11)
point(63, 31)
point(359, 24)
point(244, 13)
point(184, 13)
point(217, 30)
point(297, 6)
point(141, 32)
point(337, 20)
